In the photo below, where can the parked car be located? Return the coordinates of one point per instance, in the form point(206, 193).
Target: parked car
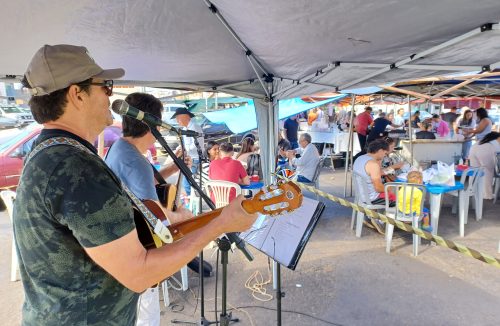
point(15, 144)
point(20, 115)
point(7, 123)
point(12, 153)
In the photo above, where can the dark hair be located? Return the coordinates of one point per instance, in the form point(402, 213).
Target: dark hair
point(284, 144)
point(144, 102)
point(210, 145)
point(481, 113)
point(226, 147)
point(426, 125)
point(489, 137)
point(377, 145)
point(50, 107)
point(368, 108)
point(464, 119)
point(389, 140)
point(246, 146)
point(435, 116)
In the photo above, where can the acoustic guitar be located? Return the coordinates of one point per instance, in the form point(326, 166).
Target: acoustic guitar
point(272, 200)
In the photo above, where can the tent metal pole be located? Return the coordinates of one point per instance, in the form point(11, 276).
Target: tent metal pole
point(248, 52)
point(307, 78)
point(410, 131)
point(348, 157)
point(419, 55)
point(258, 77)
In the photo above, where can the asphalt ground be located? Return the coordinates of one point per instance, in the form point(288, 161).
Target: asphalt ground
point(341, 279)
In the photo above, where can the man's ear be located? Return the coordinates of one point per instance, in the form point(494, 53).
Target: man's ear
point(75, 96)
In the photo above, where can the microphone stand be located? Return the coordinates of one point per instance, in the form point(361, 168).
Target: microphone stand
point(224, 243)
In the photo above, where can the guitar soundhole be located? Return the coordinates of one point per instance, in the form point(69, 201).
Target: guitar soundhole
point(289, 195)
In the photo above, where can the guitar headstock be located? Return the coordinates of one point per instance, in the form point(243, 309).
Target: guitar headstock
point(275, 199)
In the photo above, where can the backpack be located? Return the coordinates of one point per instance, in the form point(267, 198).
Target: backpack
point(254, 166)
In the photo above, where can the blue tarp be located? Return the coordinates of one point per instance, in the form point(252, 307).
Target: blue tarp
point(243, 118)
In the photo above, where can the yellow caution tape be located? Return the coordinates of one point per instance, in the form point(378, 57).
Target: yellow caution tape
point(489, 259)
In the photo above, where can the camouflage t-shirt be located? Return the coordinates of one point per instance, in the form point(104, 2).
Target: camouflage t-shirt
point(68, 199)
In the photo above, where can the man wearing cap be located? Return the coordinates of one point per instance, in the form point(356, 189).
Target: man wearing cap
point(184, 119)
point(80, 257)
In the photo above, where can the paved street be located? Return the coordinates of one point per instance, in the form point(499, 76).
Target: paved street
point(342, 279)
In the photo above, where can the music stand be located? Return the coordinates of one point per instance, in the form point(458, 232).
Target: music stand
point(284, 238)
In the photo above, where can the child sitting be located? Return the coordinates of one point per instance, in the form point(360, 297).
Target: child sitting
point(416, 178)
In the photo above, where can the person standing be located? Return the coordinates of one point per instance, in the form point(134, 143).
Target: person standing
point(426, 132)
point(450, 118)
point(378, 129)
point(439, 126)
point(308, 161)
point(466, 122)
point(363, 121)
point(483, 154)
point(185, 119)
point(126, 158)
point(80, 258)
point(483, 126)
point(398, 118)
point(290, 131)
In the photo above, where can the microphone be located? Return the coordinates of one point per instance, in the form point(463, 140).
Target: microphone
point(123, 108)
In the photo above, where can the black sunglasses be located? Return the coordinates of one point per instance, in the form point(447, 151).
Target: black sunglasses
point(107, 85)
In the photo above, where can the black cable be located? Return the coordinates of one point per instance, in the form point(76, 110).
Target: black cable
point(289, 311)
point(216, 286)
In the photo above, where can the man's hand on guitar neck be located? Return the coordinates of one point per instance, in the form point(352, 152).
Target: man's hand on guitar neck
point(234, 218)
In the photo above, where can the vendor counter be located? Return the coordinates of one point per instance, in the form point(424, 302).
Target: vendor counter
point(444, 150)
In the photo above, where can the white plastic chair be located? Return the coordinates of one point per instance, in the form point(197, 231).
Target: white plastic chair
point(472, 186)
point(399, 188)
point(362, 199)
point(221, 190)
point(8, 198)
point(315, 179)
point(496, 175)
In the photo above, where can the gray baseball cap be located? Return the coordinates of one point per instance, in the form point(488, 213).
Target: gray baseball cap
point(54, 67)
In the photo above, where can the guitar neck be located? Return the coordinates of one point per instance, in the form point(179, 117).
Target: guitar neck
point(179, 230)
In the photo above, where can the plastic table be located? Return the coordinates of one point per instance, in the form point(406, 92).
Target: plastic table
point(435, 194)
point(253, 185)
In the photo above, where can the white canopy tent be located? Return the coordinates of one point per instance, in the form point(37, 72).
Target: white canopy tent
point(266, 50)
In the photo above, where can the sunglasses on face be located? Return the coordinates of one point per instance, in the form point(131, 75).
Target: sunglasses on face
point(107, 85)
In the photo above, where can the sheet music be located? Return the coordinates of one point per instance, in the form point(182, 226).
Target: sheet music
point(282, 237)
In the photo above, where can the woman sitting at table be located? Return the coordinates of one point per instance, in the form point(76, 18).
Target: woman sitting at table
point(483, 154)
point(247, 148)
point(228, 169)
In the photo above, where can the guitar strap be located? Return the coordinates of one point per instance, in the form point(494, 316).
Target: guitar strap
point(156, 225)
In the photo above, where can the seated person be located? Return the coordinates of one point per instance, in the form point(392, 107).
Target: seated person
point(378, 129)
point(228, 169)
point(247, 148)
point(391, 162)
point(426, 132)
point(305, 165)
point(369, 167)
point(416, 178)
point(440, 126)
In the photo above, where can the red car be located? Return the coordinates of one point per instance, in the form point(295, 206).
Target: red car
point(15, 144)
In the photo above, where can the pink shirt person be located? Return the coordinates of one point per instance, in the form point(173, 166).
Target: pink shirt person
point(441, 126)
